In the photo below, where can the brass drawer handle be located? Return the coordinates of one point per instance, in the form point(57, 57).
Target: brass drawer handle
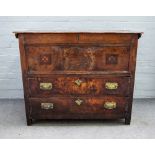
point(78, 82)
point(47, 106)
point(45, 86)
point(111, 85)
point(78, 101)
point(110, 105)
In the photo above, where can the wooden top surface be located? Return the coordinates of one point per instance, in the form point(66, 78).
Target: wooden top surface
point(57, 31)
point(99, 32)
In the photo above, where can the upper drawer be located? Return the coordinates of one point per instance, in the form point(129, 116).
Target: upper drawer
point(44, 38)
point(48, 59)
point(75, 85)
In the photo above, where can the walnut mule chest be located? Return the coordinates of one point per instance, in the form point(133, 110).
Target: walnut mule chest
point(78, 75)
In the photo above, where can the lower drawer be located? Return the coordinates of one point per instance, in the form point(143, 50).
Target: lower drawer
point(78, 107)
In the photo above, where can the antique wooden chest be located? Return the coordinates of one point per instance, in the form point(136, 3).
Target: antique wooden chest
point(78, 75)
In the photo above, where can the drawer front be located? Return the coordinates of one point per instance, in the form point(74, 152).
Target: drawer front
point(48, 87)
point(51, 59)
point(104, 106)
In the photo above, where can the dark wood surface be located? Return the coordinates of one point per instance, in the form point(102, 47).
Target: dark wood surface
point(89, 106)
point(63, 58)
point(45, 59)
point(89, 86)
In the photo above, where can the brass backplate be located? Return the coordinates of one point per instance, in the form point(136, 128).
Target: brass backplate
point(111, 85)
point(45, 86)
point(47, 106)
point(110, 105)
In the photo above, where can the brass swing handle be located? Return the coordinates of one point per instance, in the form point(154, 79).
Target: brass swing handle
point(111, 85)
point(110, 105)
point(47, 106)
point(45, 86)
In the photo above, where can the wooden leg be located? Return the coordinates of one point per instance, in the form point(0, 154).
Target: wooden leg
point(29, 122)
point(128, 114)
point(127, 120)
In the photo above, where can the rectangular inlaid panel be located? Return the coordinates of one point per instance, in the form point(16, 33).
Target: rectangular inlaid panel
point(47, 59)
point(48, 87)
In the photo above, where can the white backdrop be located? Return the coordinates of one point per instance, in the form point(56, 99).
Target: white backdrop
point(10, 71)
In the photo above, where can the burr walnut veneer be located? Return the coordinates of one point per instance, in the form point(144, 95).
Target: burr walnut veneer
point(78, 75)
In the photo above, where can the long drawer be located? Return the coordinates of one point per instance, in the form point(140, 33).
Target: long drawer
point(78, 85)
point(48, 59)
point(105, 107)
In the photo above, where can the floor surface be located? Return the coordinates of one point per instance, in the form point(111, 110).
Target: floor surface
point(13, 124)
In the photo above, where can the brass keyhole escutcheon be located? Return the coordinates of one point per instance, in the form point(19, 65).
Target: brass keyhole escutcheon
point(79, 102)
point(78, 82)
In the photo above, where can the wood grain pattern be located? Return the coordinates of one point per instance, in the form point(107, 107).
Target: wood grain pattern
point(94, 59)
point(77, 58)
point(89, 86)
point(89, 106)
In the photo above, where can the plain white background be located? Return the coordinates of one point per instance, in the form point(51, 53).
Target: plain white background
point(76, 147)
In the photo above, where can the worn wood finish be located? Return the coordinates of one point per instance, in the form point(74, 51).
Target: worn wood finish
point(46, 59)
point(88, 86)
point(78, 67)
point(89, 105)
point(45, 38)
